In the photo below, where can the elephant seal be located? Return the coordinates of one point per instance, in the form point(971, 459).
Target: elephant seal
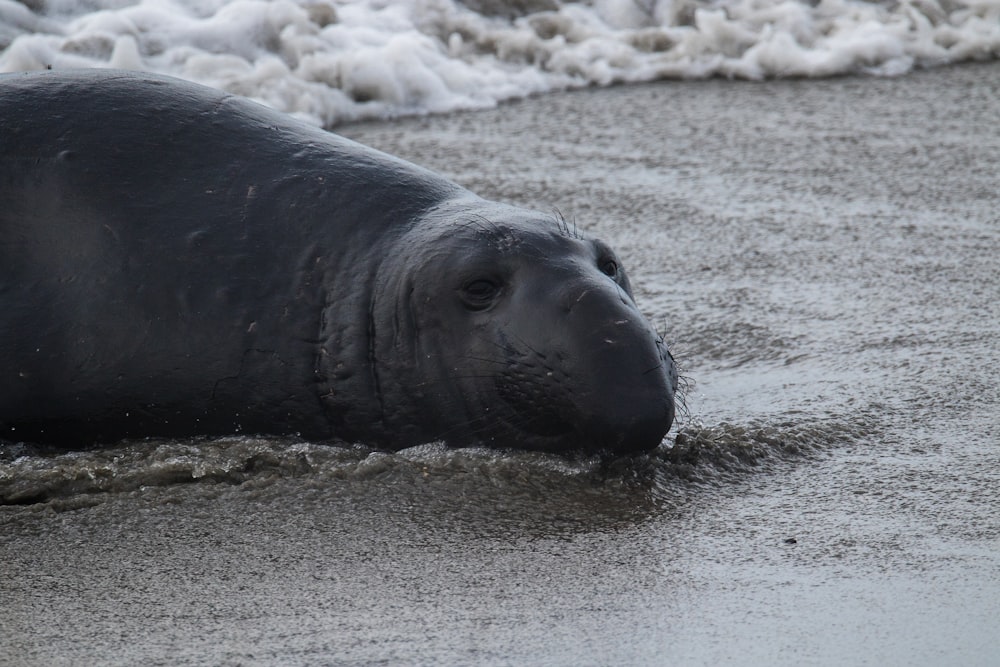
point(177, 261)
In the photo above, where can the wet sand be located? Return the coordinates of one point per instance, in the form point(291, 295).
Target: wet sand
point(822, 255)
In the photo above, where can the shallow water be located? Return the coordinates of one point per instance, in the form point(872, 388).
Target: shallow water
point(332, 61)
point(822, 257)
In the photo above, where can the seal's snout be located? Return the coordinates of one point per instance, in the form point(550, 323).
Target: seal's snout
point(629, 377)
point(600, 381)
point(634, 410)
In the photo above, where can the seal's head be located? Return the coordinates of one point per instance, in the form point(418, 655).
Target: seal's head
point(505, 327)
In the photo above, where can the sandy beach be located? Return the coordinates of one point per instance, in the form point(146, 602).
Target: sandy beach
point(821, 256)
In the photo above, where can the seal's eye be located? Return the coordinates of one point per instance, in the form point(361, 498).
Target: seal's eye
point(609, 267)
point(479, 294)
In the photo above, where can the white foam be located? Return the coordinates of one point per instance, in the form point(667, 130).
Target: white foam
point(334, 60)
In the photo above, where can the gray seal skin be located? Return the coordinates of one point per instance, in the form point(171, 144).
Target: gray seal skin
point(177, 261)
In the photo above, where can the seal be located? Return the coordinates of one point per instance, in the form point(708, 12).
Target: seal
point(177, 261)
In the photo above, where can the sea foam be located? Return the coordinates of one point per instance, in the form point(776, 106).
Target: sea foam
point(330, 61)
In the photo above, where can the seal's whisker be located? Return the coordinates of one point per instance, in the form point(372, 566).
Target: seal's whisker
point(487, 224)
point(502, 236)
point(473, 224)
point(509, 350)
point(529, 347)
point(561, 223)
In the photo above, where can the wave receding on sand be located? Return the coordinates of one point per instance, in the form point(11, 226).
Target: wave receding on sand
point(331, 61)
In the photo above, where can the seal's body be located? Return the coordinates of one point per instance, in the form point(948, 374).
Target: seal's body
point(177, 261)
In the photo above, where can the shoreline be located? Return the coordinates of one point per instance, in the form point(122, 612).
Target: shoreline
point(822, 255)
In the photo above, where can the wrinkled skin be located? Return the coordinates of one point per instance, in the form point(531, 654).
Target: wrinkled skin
point(176, 261)
point(526, 331)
